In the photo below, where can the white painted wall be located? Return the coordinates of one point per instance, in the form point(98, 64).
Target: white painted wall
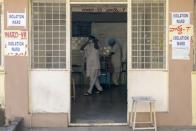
point(149, 83)
point(49, 91)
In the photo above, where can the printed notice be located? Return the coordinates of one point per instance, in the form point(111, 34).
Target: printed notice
point(16, 19)
point(100, 9)
point(180, 18)
point(181, 47)
point(16, 43)
point(180, 30)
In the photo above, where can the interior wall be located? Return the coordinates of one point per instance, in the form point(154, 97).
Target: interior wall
point(105, 31)
point(76, 43)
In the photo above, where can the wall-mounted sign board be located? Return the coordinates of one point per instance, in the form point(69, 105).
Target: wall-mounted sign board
point(180, 18)
point(16, 19)
point(181, 47)
point(16, 43)
point(180, 36)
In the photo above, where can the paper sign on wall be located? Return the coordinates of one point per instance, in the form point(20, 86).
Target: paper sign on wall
point(16, 43)
point(180, 18)
point(180, 29)
point(16, 19)
point(181, 47)
point(180, 36)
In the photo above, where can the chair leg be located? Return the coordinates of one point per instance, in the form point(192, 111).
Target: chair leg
point(135, 113)
point(151, 113)
point(131, 117)
point(154, 115)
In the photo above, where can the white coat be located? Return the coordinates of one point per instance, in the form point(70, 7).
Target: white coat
point(116, 57)
point(116, 62)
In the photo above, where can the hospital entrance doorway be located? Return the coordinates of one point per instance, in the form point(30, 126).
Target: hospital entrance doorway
point(99, 58)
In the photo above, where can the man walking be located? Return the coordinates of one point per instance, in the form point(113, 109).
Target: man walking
point(91, 53)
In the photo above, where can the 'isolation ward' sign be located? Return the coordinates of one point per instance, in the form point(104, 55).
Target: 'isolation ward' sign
point(180, 18)
point(16, 19)
point(16, 43)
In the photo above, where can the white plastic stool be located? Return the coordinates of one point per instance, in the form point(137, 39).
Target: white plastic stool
point(151, 102)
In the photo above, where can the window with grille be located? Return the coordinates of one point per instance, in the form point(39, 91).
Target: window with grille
point(194, 49)
point(148, 34)
point(48, 48)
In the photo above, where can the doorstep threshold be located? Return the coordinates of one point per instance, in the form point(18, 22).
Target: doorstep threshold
point(96, 124)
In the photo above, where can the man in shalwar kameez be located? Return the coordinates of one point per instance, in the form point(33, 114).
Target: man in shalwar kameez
point(91, 53)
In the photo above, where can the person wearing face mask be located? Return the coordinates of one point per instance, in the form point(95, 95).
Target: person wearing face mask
point(91, 54)
point(116, 58)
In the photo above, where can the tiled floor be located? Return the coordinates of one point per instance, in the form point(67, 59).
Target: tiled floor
point(108, 107)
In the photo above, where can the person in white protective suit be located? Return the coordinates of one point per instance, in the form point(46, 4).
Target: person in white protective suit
point(91, 54)
point(116, 58)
